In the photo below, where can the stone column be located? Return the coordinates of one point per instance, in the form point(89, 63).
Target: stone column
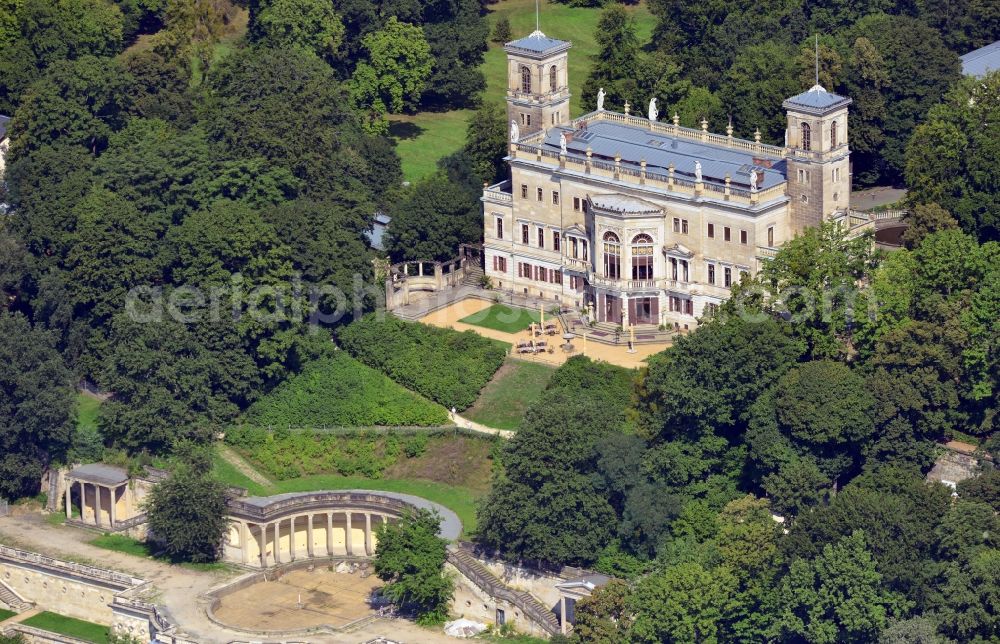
point(347, 536)
point(291, 538)
point(244, 536)
point(368, 534)
point(69, 498)
point(309, 534)
point(97, 505)
point(329, 534)
point(277, 541)
point(562, 614)
point(263, 545)
point(111, 512)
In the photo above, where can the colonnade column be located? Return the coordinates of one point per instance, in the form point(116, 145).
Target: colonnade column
point(347, 536)
point(329, 534)
point(291, 538)
point(244, 537)
point(69, 498)
point(562, 614)
point(309, 534)
point(111, 508)
point(97, 505)
point(263, 545)
point(277, 542)
point(368, 534)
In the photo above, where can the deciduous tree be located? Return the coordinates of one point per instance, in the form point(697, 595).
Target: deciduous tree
point(410, 557)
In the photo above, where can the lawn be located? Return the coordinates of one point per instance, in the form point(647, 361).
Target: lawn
point(500, 317)
point(135, 548)
point(69, 626)
point(515, 387)
point(87, 409)
point(6, 614)
point(424, 138)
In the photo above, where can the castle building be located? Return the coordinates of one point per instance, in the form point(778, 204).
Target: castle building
point(646, 222)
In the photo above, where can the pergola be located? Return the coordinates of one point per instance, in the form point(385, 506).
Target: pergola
point(101, 488)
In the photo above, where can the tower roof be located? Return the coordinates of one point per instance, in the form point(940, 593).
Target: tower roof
point(537, 45)
point(816, 101)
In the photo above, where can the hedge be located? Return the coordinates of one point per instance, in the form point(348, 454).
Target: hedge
point(339, 390)
point(447, 366)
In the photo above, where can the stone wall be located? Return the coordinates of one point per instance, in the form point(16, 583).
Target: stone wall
point(470, 602)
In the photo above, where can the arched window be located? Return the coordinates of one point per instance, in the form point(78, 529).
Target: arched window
point(553, 79)
point(525, 79)
point(642, 257)
point(833, 134)
point(612, 256)
point(806, 137)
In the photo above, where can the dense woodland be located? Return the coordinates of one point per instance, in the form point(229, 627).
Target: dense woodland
point(151, 151)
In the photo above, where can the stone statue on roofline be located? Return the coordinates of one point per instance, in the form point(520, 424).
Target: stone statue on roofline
point(697, 171)
point(753, 181)
point(600, 100)
point(653, 113)
point(515, 132)
point(562, 143)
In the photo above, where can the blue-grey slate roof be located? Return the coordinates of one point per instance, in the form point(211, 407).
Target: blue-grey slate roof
point(99, 473)
point(537, 42)
point(607, 138)
point(816, 98)
point(376, 236)
point(982, 61)
point(4, 122)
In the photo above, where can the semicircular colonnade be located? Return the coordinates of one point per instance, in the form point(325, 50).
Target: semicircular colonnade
point(273, 530)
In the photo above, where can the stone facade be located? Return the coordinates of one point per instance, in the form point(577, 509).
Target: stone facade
point(640, 222)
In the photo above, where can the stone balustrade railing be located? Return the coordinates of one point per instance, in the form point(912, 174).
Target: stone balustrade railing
point(499, 192)
point(323, 500)
point(671, 182)
point(121, 579)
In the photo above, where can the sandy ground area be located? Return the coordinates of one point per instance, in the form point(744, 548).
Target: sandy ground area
point(618, 355)
point(326, 598)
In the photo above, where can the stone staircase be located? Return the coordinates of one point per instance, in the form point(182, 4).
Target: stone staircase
point(480, 575)
point(13, 600)
point(473, 275)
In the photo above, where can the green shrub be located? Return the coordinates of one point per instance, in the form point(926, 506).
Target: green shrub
point(447, 366)
point(337, 390)
point(287, 455)
point(415, 445)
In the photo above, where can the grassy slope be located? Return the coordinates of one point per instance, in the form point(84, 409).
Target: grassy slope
point(428, 136)
point(6, 614)
point(69, 626)
point(87, 408)
point(504, 400)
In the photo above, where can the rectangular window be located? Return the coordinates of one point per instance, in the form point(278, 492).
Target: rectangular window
point(685, 272)
point(711, 231)
point(555, 241)
point(539, 194)
point(576, 204)
point(502, 264)
point(541, 238)
point(689, 307)
point(555, 197)
point(529, 119)
point(727, 234)
point(573, 247)
point(727, 277)
point(684, 226)
point(524, 191)
point(558, 277)
point(743, 236)
point(524, 233)
point(499, 228)
point(673, 268)
point(770, 237)
point(711, 273)
point(584, 250)
point(677, 224)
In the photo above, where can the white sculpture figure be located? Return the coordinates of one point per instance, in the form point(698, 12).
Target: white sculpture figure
point(697, 171)
point(653, 113)
point(753, 181)
point(562, 143)
point(515, 132)
point(600, 100)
